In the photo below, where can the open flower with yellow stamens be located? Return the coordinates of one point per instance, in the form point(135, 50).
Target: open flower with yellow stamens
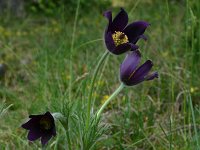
point(40, 126)
point(120, 37)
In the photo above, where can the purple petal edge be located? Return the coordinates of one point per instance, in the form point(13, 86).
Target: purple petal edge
point(152, 76)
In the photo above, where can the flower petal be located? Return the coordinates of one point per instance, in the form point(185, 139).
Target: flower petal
point(141, 72)
point(122, 48)
point(133, 47)
point(135, 30)
point(108, 15)
point(45, 138)
point(129, 65)
point(152, 76)
point(32, 123)
point(143, 37)
point(140, 37)
point(54, 131)
point(48, 114)
point(109, 42)
point(34, 134)
point(120, 21)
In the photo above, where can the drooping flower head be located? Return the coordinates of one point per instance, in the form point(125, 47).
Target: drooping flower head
point(131, 74)
point(40, 126)
point(120, 37)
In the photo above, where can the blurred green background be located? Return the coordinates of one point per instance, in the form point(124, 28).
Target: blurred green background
point(40, 39)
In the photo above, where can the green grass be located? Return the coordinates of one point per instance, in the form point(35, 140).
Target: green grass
point(51, 61)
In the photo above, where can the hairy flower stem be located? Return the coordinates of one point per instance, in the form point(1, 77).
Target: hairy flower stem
point(102, 59)
point(109, 99)
point(59, 117)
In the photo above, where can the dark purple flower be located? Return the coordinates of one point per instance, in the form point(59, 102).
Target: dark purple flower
point(120, 37)
point(131, 74)
point(40, 126)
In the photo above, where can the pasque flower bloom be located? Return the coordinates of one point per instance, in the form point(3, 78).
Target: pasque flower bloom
point(120, 37)
point(131, 74)
point(40, 126)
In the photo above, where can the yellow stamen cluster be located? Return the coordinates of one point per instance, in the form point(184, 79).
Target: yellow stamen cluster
point(45, 124)
point(119, 38)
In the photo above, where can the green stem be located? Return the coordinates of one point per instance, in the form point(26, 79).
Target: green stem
point(65, 123)
point(109, 99)
point(103, 57)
